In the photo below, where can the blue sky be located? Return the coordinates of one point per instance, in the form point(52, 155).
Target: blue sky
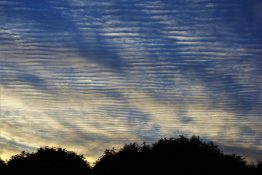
point(89, 75)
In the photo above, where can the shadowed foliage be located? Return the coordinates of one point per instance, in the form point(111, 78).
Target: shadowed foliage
point(167, 156)
point(171, 156)
point(259, 167)
point(2, 166)
point(51, 161)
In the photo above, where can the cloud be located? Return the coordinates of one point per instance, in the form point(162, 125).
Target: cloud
point(90, 76)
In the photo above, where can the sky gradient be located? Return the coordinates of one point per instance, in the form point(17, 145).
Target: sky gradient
point(89, 75)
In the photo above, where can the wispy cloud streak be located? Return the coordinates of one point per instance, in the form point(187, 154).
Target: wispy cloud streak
point(89, 75)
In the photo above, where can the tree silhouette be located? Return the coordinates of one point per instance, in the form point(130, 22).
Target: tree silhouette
point(167, 156)
point(2, 166)
point(259, 168)
point(170, 156)
point(48, 160)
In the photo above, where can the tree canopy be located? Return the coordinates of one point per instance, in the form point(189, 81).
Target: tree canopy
point(171, 156)
point(2, 166)
point(167, 156)
point(48, 160)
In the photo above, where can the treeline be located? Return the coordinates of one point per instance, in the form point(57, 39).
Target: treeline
point(165, 157)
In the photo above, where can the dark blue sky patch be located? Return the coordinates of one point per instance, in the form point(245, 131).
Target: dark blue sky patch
point(32, 79)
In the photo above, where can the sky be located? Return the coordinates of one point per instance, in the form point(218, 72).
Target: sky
point(87, 75)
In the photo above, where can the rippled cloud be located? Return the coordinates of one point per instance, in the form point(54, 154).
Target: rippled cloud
point(90, 75)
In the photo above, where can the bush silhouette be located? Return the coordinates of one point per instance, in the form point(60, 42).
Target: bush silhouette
point(48, 161)
point(170, 156)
